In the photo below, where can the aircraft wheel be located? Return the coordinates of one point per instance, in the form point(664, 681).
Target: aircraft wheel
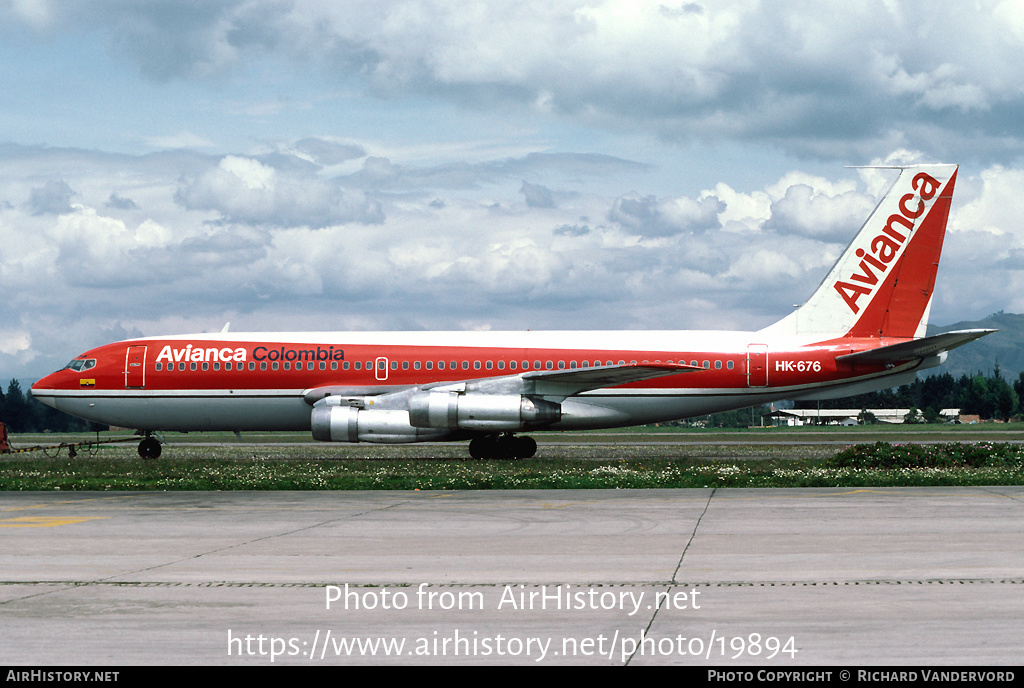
point(476, 448)
point(150, 448)
point(526, 447)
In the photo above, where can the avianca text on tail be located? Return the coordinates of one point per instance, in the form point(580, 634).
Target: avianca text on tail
point(862, 330)
point(887, 244)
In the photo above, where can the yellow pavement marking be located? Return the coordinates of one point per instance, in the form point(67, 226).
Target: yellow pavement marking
point(45, 521)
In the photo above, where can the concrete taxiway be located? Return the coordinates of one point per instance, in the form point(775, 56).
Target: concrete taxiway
point(725, 577)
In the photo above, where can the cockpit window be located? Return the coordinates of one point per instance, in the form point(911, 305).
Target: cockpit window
point(80, 364)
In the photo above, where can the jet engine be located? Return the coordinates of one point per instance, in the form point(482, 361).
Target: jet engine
point(350, 424)
point(481, 412)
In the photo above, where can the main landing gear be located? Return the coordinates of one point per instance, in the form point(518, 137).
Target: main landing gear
point(505, 446)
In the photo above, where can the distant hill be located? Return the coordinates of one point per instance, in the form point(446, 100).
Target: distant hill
point(1005, 347)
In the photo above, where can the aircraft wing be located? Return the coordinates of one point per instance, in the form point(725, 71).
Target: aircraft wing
point(566, 383)
point(583, 379)
point(919, 348)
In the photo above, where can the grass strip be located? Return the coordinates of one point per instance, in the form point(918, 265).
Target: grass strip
point(219, 468)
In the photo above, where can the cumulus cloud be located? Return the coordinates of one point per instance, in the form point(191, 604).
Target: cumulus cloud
point(13, 342)
point(245, 190)
point(816, 213)
point(998, 206)
point(652, 217)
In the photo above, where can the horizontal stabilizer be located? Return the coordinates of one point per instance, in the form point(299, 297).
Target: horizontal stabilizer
point(918, 348)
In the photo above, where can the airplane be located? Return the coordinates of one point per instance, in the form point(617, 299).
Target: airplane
point(862, 330)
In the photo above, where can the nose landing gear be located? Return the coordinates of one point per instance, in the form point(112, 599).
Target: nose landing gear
point(150, 448)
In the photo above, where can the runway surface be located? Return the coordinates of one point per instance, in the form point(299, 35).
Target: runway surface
point(727, 577)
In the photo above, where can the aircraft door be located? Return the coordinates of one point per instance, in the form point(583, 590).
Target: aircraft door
point(757, 365)
point(380, 368)
point(135, 367)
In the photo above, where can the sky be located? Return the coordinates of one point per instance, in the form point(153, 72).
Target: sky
point(167, 167)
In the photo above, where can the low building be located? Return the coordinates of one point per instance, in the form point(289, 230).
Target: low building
point(849, 416)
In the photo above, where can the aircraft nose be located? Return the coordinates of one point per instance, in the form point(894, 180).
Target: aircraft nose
point(40, 384)
point(39, 390)
point(51, 381)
